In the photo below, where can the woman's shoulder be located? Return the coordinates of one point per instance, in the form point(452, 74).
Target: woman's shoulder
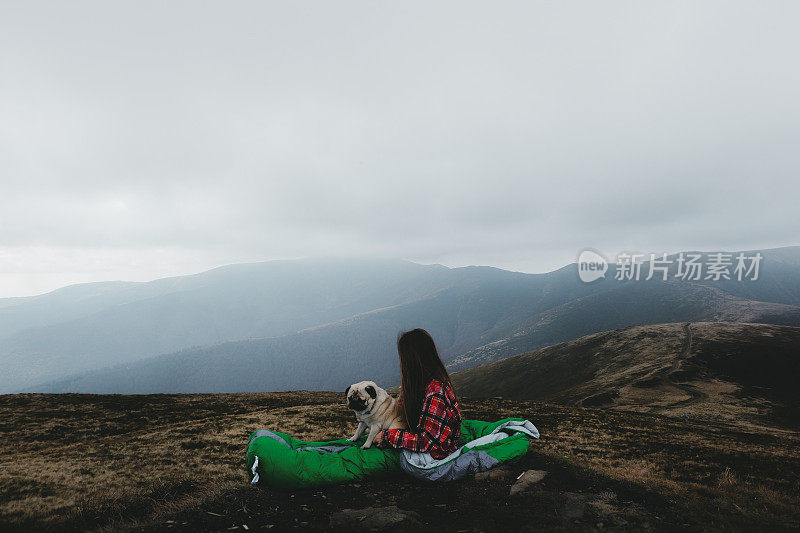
point(436, 386)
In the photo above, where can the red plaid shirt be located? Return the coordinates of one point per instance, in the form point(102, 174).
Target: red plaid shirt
point(439, 424)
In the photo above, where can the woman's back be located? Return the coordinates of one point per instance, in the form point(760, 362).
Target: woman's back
point(439, 426)
point(427, 399)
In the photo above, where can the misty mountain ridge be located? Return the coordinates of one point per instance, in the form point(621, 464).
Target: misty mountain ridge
point(277, 325)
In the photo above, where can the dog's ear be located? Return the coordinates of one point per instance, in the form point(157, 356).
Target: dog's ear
point(371, 391)
point(347, 390)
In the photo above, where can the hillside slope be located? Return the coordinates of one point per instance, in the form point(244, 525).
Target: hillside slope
point(628, 304)
point(715, 371)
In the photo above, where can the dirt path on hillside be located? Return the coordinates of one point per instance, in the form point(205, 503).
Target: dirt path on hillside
point(695, 395)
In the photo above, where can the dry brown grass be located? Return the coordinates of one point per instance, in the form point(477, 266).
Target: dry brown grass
point(126, 462)
point(60, 462)
point(754, 473)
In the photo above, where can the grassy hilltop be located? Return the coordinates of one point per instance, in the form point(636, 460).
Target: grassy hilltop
point(177, 462)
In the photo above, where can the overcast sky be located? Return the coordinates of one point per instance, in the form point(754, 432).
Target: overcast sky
point(145, 139)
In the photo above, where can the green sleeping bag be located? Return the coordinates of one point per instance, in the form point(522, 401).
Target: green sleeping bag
point(283, 462)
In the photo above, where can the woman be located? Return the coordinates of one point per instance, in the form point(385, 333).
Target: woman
point(427, 402)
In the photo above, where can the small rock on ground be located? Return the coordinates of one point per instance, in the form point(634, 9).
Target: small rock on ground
point(574, 506)
point(526, 480)
point(390, 518)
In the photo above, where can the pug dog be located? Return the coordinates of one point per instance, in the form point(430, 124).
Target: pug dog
point(375, 409)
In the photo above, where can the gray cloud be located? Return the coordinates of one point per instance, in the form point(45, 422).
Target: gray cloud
point(141, 139)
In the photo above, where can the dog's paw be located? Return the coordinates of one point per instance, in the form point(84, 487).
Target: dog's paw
point(365, 446)
point(351, 439)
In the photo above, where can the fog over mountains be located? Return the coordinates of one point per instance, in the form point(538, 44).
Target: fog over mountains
point(325, 323)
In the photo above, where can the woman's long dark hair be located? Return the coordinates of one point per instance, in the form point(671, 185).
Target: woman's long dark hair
point(419, 364)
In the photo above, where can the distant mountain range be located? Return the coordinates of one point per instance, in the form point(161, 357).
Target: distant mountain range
point(325, 323)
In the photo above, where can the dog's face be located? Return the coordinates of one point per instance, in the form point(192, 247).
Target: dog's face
point(362, 396)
